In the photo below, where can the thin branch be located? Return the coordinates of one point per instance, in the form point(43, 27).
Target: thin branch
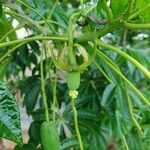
point(32, 39)
point(52, 10)
point(108, 11)
point(125, 55)
point(112, 65)
point(137, 26)
point(138, 12)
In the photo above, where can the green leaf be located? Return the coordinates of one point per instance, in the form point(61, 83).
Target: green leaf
point(29, 2)
point(6, 26)
point(121, 100)
point(31, 89)
point(145, 14)
point(9, 116)
point(33, 130)
point(3, 69)
point(118, 7)
point(119, 123)
point(111, 74)
point(108, 94)
point(24, 55)
point(69, 143)
point(141, 56)
point(88, 114)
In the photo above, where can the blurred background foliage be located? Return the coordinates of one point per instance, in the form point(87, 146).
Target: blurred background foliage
point(104, 116)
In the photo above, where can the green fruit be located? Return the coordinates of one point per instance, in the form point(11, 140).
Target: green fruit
point(73, 80)
point(49, 136)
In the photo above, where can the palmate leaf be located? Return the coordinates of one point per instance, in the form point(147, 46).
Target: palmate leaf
point(9, 116)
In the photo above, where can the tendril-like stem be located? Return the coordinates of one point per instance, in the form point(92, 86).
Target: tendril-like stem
point(72, 58)
point(76, 122)
point(43, 92)
point(131, 110)
point(54, 95)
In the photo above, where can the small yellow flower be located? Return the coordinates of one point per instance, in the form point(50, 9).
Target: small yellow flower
point(73, 93)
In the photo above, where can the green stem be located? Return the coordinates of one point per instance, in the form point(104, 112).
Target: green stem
point(76, 123)
point(131, 110)
point(53, 22)
point(82, 4)
point(138, 12)
point(32, 39)
point(130, 6)
point(137, 26)
point(72, 58)
point(10, 7)
point(43, 92)
point(31, 22)
point(21, 2)
point(108, 11)
point(54, 94)
point(125, 142)
point(11, 31)
point(91, 8)
point(114, 67)
point(10, 51)
point(106, 29)
point(55, 61)
point(104, 74)
point(123, 54)
point(52, 10)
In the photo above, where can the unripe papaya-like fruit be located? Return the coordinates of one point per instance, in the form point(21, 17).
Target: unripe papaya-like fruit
point(73, 80)
point(49, 136)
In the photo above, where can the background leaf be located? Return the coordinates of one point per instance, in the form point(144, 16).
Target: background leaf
point(9, 116)
point(145, 15)
point(118, 6)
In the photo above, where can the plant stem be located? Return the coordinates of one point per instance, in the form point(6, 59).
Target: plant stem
point(55, 61)
point(52, 10)
point(11, 31)
point(123, 54)
point(72, 58)
point(137, 26)
point(125, 142)
point(21, 2)
point(104, 74)
point(94, 35)
point(81, 3)
point(76, 123)
point(108, 11)
point(138, 12)
point(10, 51)
point(32, 39)
point(114, 67)
point(31, 22)
point(53, 22)
point(54, 94)
point(131, 110)
point(43, 92)
point(130, 6)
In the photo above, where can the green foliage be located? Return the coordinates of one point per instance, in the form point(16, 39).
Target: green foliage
point(9, 116)
point(118, 6)
point(113, 101)
point(145, 14)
